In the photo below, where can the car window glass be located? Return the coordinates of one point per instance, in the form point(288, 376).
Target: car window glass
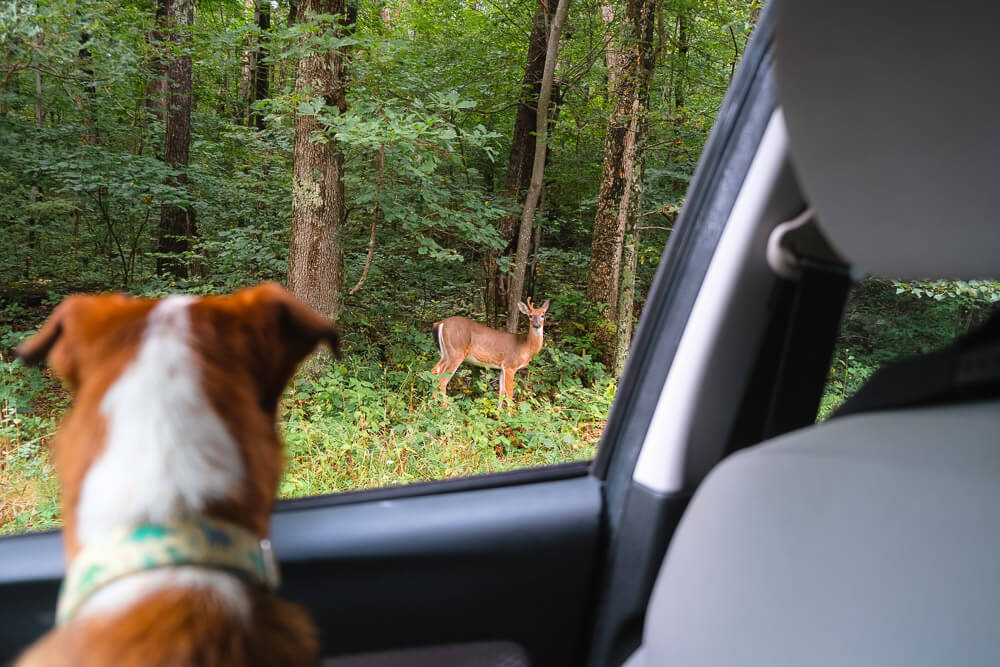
point(386, 189)
point(886, 321)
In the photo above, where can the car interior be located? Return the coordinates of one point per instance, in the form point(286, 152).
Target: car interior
point(719, 525)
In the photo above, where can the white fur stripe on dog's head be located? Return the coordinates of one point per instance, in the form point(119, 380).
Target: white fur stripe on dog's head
point(167, 450)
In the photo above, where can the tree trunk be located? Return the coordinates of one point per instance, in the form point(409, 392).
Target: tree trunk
point(89, 134)
point(537, 168)
point(522, 155)
point(286, 63)
point(681, 67)
point(156, 86)
point(315, 252)
point(621, 178)
point(245, 93)
point(380, 171)
point(262, 70)
point(39, 113)
point(612, 57)
point(177, 223)
point(626, 297)
point(536, 248)
point(34, 193)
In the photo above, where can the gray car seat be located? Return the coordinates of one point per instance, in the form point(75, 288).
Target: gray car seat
point(874, 538)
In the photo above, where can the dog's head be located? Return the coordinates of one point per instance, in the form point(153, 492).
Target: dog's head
point(174, 403)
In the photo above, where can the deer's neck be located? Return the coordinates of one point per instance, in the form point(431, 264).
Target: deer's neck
point(534, 340)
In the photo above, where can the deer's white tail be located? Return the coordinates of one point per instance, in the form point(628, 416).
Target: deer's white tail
point(438, 329)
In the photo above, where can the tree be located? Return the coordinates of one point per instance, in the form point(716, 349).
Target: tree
point(522, 154)
point(538, 166)
point(315, 248)
point(177, 221)
point(621, 179)
point(156, 67)
point(261, 66)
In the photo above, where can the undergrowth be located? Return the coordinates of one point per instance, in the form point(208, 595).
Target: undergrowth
point(369, 420)
point(885, 321)
point(373, 419)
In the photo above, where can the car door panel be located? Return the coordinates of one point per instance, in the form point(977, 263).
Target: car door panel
point(510, 563)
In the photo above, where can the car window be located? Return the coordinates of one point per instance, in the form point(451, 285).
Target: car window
point(887, 320)
point(386, 188)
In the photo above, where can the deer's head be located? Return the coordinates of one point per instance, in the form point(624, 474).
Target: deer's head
point(536, 316)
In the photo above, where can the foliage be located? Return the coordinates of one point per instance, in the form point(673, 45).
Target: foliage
point(889, 320)
point(435, 85)
point(371, 420)
point(29, 403)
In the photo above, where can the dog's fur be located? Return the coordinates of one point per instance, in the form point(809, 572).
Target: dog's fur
point(174, 413)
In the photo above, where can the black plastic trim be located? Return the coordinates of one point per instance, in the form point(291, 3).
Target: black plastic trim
point(550, 473)
point(513, 563)
point(648, 525)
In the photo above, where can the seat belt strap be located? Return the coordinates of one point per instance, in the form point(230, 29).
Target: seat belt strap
point(820, 294)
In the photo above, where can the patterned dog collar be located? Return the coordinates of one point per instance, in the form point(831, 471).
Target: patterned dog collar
point(197, 541)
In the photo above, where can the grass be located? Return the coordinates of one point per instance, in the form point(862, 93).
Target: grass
point(29, 407)
point(373, 420)
point(369, 421)
point(379, 440)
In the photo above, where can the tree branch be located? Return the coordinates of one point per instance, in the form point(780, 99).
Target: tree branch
point(371, 241)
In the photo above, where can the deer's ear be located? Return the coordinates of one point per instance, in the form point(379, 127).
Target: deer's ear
point(523, 308)
point(545, 306)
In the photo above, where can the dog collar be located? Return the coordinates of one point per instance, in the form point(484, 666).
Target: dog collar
point(195, 541)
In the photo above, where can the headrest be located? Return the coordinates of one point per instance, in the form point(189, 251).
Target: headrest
point(893, 114)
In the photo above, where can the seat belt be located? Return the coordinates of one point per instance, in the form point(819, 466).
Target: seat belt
point(798, 252)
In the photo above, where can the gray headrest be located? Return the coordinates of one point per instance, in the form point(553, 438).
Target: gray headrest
point(893, 113)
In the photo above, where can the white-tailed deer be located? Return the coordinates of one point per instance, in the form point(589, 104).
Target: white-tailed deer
point(460, 339)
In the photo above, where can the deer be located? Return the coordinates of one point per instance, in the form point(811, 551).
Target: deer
point(461, 339)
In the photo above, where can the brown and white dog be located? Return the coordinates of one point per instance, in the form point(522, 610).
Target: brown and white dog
point(173, 423)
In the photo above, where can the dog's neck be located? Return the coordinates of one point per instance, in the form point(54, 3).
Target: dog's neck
point(152, 553)
point(166, 452)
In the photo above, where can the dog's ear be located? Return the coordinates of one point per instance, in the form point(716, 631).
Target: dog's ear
point(299, 325)
point(300, 321)
point(67, 337)
point(36, 349)
point(287, 331)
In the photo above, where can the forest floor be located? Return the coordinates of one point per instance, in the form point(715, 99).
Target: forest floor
point(371, 420)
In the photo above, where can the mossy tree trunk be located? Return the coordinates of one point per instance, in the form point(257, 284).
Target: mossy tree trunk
point(315, 249)
point(177, 223)
point(621, 181)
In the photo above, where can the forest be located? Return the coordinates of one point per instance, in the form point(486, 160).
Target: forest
point(392, 163)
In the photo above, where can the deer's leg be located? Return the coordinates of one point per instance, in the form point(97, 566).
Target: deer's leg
point(509, 387)
point(506, 390)
point(445, 370)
